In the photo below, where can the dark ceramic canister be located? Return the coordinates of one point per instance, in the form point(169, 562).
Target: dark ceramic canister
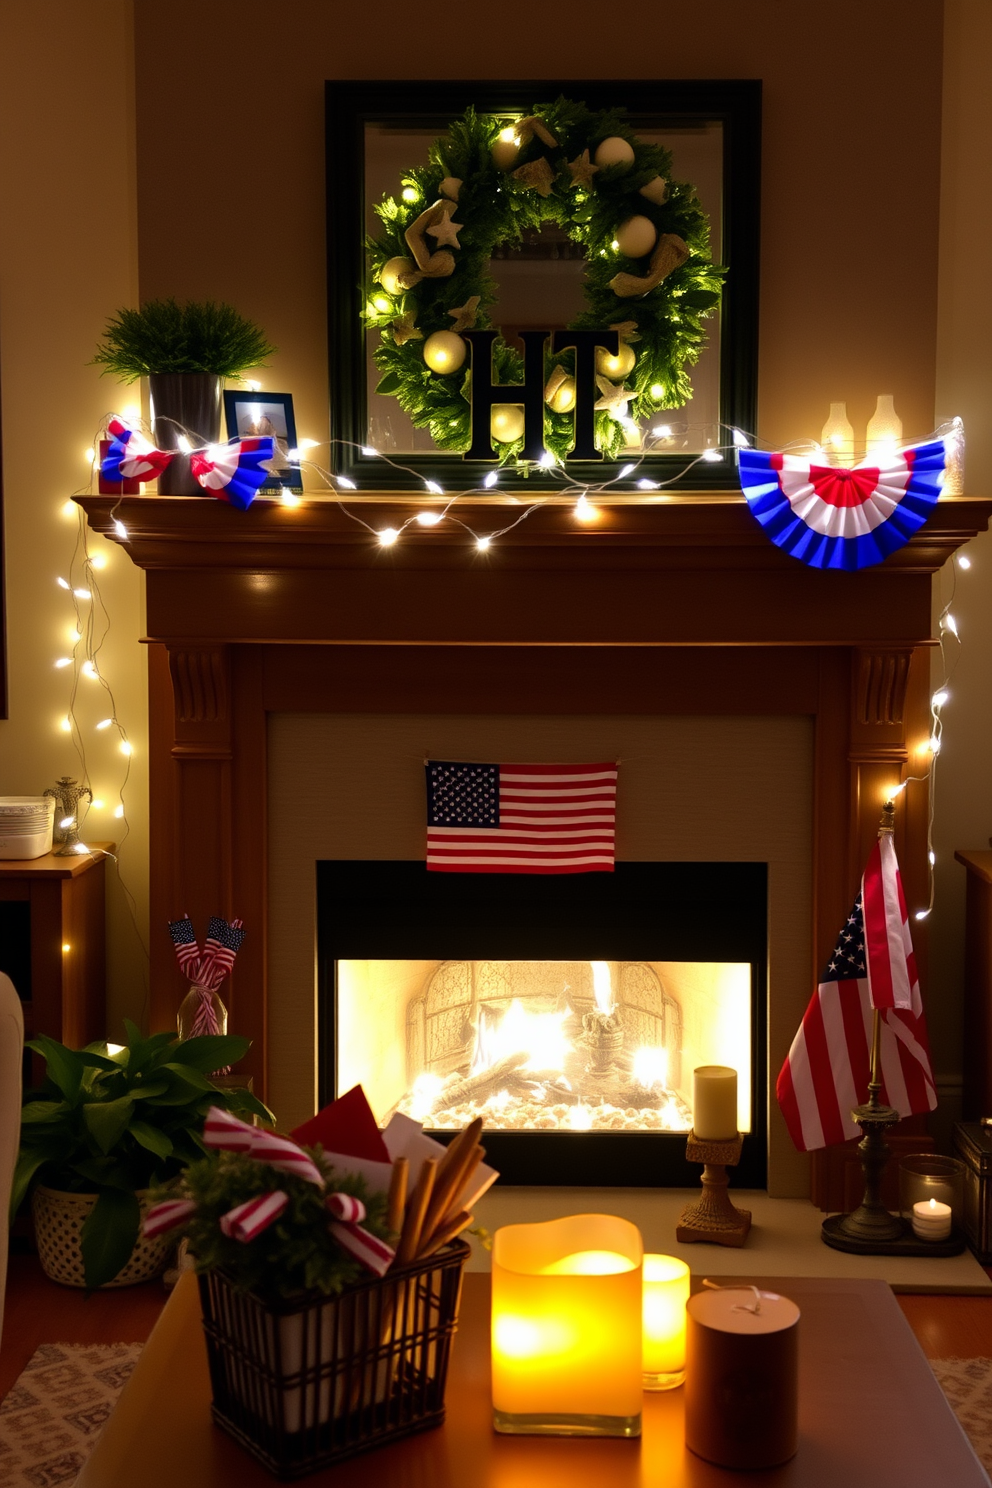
point(184, 403)
point(742, 1377)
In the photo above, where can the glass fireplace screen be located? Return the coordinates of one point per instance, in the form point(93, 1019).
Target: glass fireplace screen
point(542, 1046)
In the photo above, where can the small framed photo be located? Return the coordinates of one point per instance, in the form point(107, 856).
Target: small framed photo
point(249, 414)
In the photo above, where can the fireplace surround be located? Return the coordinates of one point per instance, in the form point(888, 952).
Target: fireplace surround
point(672, 618)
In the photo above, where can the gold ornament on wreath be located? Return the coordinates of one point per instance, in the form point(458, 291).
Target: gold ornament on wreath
point(490, 181)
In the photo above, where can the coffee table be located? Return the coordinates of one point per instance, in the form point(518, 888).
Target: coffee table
point(871, 1416)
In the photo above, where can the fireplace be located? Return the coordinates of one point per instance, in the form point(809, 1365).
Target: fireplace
point(580, 1066)
point(762, 710)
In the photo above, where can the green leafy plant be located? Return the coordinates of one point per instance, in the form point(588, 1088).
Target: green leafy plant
point(111, 1124)
point(296, 1253)
point(166, 336)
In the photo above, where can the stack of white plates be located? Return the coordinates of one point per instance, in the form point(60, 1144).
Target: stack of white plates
point(26, 824)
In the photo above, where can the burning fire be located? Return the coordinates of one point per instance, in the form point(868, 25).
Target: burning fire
point(538, 1035)
point(602, 987)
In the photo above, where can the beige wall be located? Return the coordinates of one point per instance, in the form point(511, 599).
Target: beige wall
point(964, 386)
point(68, 257)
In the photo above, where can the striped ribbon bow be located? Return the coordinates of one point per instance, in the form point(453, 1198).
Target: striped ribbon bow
point(348, 1212)
point(229, 1133)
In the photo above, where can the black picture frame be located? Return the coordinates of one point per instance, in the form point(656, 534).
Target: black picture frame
point(236, 399)
point(350, 105)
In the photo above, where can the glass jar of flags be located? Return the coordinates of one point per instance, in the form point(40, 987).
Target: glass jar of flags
point(201, 1011)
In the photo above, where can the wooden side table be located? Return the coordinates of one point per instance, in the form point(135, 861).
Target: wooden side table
point(67, 943)
point(977, 1092)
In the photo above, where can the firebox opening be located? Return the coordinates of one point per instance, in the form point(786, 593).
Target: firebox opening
point(569, 1013)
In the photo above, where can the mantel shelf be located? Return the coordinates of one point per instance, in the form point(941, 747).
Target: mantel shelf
point(688, 530)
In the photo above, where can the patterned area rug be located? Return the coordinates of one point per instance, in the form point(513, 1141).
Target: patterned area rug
point(53, 1415)
point(967, 1383)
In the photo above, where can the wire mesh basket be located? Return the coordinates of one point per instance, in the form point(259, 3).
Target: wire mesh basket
point(301, 1385)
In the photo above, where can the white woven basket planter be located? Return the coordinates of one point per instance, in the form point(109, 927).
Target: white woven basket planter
point(58, 1222)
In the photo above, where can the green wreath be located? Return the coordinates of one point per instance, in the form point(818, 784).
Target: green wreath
point(649, 272)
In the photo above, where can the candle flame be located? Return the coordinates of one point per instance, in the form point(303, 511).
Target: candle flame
point(589, 1263)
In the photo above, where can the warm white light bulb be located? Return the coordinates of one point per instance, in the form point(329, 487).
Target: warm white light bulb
point(895, 790)
point(369, 450)
point(64, 661)
point(90, 456)
point(933, 858)
point(66, 726)
point(81, 848)
point(63, 584)
point(921, 914)
point(120, 530)
point(343, 480)
point(740, 442)
point(662, 431)
point(118, 811)
point(288, 499)
point(67, 821)
point(387, 536)
point(82, 593)
point(309, 443)
point(964, 561)
point(547, 460)
point(184, 444)
point(647, 485)
point(627, 470)
point(428, 518)
point(940, 697)
point(491, 479)
point(933, 744)
point(125, 747)
point(657, 391)
point(70, 509)
point(98, 560)
point(585, 511)
point(482, 543)
point(508, 135)
point(89, 670)
point(410, 194)
point(434, 488)
point(97, 805)
point(104, 723)
point(712, 456)
point(951, 624)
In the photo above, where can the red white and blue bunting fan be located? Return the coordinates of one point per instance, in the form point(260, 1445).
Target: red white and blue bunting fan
point(843, 519)
point(232, 472)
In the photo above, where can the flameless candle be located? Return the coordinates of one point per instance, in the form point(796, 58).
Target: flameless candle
point(666, 1291)
point(566, 1327)
point(714, 1102)
point(931, 1220)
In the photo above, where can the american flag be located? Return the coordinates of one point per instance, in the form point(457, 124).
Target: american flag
point(485, 818)
point(873, 965)
point(219, 950)
point(187, 950)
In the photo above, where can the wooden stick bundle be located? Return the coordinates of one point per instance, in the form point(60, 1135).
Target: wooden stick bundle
point(432, 1214)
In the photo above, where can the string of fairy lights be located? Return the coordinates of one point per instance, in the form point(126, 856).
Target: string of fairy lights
point(629, 482)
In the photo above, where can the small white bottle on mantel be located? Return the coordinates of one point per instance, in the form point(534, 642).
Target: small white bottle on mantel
point(884, 429)
point(837, 436)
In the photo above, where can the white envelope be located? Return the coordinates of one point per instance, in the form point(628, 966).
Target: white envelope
point(376, 1174)
point(405, 1137)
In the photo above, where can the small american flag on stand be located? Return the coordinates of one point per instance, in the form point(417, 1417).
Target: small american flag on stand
point(219, 950)
point(873, 966)
point(484, 818)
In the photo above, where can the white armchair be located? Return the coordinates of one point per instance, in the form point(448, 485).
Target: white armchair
point(11, 1051)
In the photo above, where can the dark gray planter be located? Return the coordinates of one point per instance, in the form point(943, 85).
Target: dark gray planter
point(184, 403)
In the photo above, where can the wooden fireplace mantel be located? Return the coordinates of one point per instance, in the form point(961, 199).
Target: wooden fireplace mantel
point(678, 606)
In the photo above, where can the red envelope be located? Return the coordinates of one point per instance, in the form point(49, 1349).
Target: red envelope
point(348, 1126)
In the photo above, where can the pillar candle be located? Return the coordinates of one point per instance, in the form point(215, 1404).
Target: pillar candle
point(714, 1102)
point(741, 1389)
point(566, 1327)
point(666, 1291)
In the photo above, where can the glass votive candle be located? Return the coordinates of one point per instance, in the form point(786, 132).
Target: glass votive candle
point(666, 1291)
point(566, 1328)
point(930, 1175)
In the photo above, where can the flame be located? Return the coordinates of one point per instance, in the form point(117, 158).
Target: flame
point(650, 1066)
point(602, 987)
point(538, 1035)
point(426, 1089)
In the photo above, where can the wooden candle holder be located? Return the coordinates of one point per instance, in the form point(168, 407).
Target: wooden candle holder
point(713, 1218)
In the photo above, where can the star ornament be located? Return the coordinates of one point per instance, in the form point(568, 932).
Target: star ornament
point(446, 231)
point(405, 330)
point(614, 399)
point(464, 316)
point(582, 169)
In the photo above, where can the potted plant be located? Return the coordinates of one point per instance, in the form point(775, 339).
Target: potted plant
point(103, 1129)
point(186, 351)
